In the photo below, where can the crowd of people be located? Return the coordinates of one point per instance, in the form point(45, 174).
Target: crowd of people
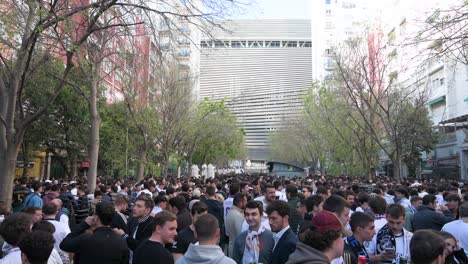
point(244, 219)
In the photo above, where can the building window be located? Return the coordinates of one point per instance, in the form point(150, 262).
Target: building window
point(327, 2)
point(328, 12)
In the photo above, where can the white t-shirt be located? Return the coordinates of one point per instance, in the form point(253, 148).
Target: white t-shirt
point(228, 203)
point(61, 231)
point(459, 230)
point(281, 196)
point(402, 243)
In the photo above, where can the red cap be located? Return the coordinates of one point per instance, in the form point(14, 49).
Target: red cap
point(327, 221)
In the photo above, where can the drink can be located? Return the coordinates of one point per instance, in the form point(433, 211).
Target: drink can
point(362, 259)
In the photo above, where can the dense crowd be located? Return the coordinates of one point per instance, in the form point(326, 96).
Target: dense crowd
point(248, 219)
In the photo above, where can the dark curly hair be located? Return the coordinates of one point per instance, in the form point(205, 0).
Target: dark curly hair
point(15, 227)
point(37, 246)
point(319, 240)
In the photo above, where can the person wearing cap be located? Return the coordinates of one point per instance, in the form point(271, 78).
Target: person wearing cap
point(363, 228)
point(392, 241)
point(321, 242)
point(186, 236)
point(285, 240)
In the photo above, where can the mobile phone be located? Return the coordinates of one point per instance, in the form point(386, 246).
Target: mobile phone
point(390, 250)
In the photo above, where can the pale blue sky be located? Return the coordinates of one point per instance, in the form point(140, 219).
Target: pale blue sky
point(298, 9)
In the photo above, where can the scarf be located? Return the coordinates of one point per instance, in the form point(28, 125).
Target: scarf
point(357, 248)
point(252, 246)
point(385, 239)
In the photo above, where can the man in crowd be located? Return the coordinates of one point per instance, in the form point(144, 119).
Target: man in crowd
point(101, 246)
point(19, 193)
point(339, 206)
point(180, 210)
point(392, 241)
point(306, 191)
point(152, 250)
point(363, 229)
point(280, 192)
point(140, 225)
point(377, 205)
point(120, 219)
point(233, 190)
point(160, 203)
point(61, 229)
point(295, 218)
point(401, 197)
point(427, 247)
point(63, 214)
point(207, 251)
point(453, 203)
point(256, 244)
point(235, 218)
point(459, 228)
point(187, 235)
point(427, 218)
point(35, 212)
point(36, 247)
point(215, 207)
point(268, 196)
point(34, 198)
point(285, 240)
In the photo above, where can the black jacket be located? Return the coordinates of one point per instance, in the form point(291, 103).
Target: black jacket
point(427, 218)
point(184, 219)
point(103, 246)
point(286, 245)
point(118, 222)
point(216, 208)
point(144, 231)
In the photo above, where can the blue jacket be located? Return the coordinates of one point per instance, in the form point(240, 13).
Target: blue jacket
point(266, 246)
point(33, 200)
point(286, 245)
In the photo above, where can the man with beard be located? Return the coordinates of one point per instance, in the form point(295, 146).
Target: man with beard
point(285, 240)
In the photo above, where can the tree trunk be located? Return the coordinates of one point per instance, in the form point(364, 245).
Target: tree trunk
point(24, 149)
point(7, 173)
point(142, 163)
point(396, 166)
point(94, 135)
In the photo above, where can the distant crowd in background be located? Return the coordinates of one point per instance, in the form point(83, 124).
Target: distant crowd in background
point(248, 219)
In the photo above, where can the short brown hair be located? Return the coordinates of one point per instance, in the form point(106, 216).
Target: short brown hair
point(146, 199)
point(161, 218)
point(395, 211)
point(205, 227)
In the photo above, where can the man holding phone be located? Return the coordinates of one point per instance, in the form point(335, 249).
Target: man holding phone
point(392, 241)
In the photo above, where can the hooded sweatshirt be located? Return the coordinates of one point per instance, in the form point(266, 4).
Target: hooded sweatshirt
point(307, 255)
point(197, 254)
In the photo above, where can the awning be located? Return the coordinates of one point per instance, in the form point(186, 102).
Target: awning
point(437, 100)
point(466, 100)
